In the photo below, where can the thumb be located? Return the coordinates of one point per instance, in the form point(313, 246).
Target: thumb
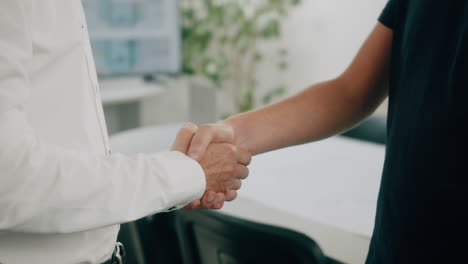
point(184, 138)
point(211, 133)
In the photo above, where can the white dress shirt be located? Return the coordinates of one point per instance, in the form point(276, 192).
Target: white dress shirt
point(62, 195)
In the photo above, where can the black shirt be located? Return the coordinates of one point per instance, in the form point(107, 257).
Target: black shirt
point(423, 206)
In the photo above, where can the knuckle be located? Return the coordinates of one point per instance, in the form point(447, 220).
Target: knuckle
point(185, 131)
point(231, 170)
point(238, 184)
point(249, 159)
point(241, 169)
point(195, 147)
point(232, 196)
point(231, 149)
point(232, 185)
point(190, 127)
point(206, 128)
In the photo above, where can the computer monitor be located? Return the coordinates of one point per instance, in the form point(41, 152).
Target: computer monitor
point(134, 37)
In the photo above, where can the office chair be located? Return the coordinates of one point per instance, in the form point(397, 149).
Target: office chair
point(131, 239)
point(207, 237)
point(151, 240)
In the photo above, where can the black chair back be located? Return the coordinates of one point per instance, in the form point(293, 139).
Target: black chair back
point(207, 237)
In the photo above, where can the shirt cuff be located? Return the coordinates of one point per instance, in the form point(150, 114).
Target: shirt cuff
point(186, 180)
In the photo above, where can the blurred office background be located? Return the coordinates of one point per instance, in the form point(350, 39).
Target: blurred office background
point(165, 62)
point(293, 44)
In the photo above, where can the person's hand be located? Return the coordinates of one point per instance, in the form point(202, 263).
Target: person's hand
point(224, 166)
point(210, 199)
point(206, 135)
point(184, 138)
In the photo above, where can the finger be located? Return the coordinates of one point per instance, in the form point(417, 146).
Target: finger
point(234, 185)
point(184, 137)
point(193, 205)
point(243, 156)
point(231, 195)
point(218, 204)
point(242, 172)
point(208, 199)
point(212, 133)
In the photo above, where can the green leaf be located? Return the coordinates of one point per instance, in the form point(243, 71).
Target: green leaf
point(282, 66)
point(283, 52)
point(281, 90)
point(272, 29)
point(187, 69)
point(225, 116)
point(188, 14)
point(295, 2)
point(257, 56)
point(266, 99)
point(218, 33)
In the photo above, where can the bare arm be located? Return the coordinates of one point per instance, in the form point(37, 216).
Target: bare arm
point(320, 111)
point(324, 109)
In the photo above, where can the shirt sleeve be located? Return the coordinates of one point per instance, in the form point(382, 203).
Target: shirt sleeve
point(46, 188)
point(389, 17)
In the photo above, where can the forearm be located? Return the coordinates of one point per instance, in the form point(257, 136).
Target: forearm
point(324, 109)
point(320, 111)
point(47, 188)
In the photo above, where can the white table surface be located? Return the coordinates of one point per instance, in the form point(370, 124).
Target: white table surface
point(333, 181)
point(327, 189)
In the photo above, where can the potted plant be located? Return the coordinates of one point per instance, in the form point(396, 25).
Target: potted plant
point(221, 41)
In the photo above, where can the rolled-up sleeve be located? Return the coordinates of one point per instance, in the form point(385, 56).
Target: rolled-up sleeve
point(46, 188)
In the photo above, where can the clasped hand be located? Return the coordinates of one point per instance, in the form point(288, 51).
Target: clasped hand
point(223, 163)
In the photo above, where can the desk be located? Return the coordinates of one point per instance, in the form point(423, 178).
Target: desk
point(327, 190)
point(123, 99)
point(120, 90)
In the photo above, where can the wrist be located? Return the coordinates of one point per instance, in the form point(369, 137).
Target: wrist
point(235, 123)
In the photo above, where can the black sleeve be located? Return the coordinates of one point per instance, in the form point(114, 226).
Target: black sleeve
point(389, 17)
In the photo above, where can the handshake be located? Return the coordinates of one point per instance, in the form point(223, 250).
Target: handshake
point(224, 163)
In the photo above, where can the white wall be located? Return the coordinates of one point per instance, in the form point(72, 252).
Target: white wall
point(322, 37)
